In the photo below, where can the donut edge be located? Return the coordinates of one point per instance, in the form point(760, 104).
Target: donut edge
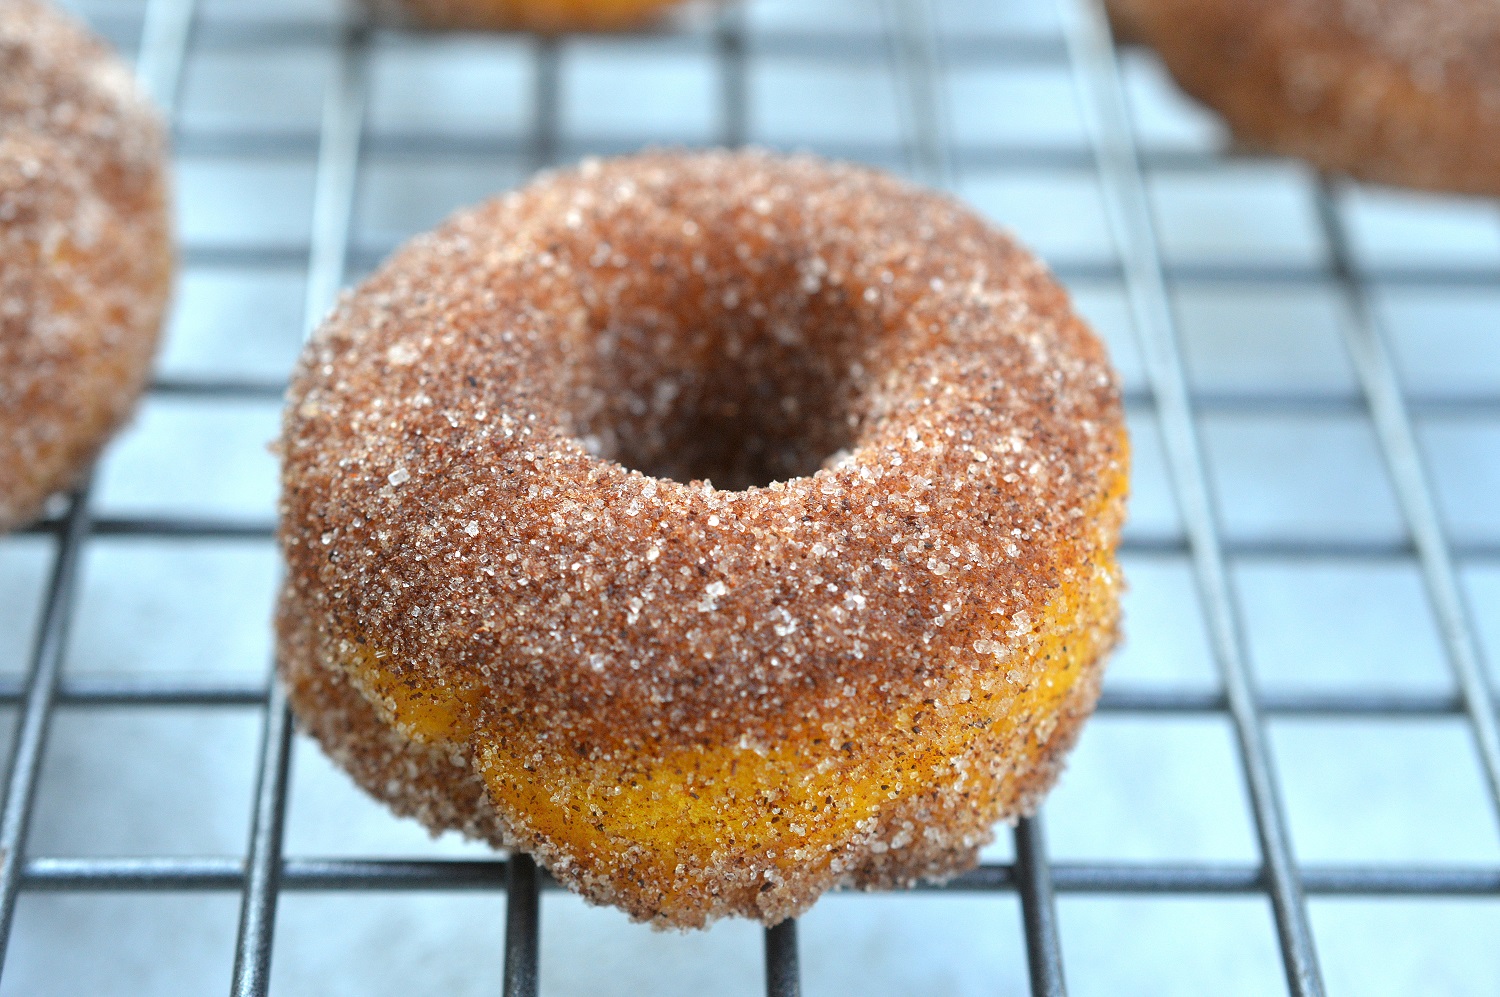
point(443, 789)
point(116, 289)
point(1322, 95)
point(545, 17)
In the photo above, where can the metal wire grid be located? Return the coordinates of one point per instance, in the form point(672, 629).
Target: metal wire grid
point(260, 876)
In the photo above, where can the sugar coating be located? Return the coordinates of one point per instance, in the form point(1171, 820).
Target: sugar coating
point(526, 15)
point(1436, 38)
point(718, 527)
point(84, 236)
point(1396, 91)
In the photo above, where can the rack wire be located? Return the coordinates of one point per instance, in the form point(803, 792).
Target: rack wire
point(904, 37)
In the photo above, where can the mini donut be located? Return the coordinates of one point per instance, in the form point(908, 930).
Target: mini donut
point(718, 528)
point(1403, 92)
point(85, 240)
point(544, 16)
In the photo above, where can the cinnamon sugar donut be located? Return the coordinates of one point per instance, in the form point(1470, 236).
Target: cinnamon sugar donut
point(545, 16)
point(1403, 92)
point(719, 528)
point(86, 251)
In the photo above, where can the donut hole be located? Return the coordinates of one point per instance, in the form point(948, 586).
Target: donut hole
point(755, 391)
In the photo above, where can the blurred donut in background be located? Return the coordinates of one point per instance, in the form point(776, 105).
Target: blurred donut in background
point(85, 241)
point(1402, 92)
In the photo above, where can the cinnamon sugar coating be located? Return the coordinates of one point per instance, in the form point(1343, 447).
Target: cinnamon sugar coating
point(720, 528)
point(1404, 92)
point(545, 16)
point(84, 236)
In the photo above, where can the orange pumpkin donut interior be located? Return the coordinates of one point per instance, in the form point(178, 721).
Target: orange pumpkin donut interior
point(719, 528)
point(546, 16)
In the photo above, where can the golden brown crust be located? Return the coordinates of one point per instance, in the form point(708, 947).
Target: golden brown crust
point(86, 247)
point(657, 681)
point(1404, 92)
point(543, 16)
point(437, 787)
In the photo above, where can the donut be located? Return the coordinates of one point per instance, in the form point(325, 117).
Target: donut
point(718, 528)
point(85, 240)
point(1402, 92)
point(544, 16)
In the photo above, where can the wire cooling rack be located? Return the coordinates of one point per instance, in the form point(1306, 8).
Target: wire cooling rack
point(1131, 171)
